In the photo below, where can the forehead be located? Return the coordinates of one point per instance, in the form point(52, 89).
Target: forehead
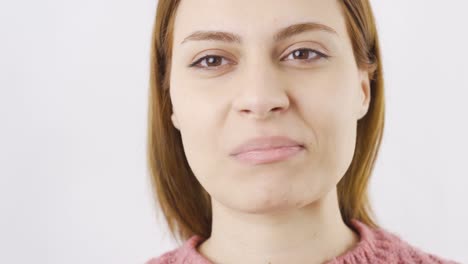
point(254, 19)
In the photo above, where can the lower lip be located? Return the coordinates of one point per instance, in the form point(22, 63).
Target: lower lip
point(268, 155)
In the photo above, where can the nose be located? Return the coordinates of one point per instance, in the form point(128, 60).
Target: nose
point(263, 93)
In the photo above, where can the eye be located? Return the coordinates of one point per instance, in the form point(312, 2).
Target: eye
point(213, 62)
point(210, 62)
point(306, 55)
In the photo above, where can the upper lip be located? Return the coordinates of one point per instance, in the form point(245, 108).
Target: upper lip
point(263, 143)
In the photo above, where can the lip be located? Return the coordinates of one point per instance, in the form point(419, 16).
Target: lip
point(267, 149)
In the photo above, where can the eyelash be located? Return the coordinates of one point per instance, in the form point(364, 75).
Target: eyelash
point(320, 56)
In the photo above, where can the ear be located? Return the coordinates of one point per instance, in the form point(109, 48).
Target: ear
point(364, 93)
point(174, 121)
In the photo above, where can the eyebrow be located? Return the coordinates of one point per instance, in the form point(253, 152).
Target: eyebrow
point(282, 34)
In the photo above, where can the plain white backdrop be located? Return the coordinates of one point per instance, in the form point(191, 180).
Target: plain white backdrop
point(74, 186)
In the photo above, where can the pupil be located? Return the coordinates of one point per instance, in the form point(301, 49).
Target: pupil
point(212, 60)
point(298, 54)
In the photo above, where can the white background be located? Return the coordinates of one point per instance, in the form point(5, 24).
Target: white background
point(73, 106)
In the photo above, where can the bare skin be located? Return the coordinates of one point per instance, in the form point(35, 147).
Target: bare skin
point(282, 212)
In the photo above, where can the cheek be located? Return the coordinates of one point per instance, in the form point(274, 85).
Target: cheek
point(197, 115)
point(195, 108)
point(326, 103)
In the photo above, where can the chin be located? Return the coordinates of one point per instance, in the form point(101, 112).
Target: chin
point(261, 205)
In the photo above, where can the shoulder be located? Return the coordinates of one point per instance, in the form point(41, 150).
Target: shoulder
point(185, 252)
point(406, 251)
point(391, 247)
point(170, 257)
point(166, 258)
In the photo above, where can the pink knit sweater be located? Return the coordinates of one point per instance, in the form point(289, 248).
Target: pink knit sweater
point(376, 246)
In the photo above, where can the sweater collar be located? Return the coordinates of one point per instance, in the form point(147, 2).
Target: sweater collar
point(368, 238)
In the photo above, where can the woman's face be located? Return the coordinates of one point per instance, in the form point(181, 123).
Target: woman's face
point(303, 84)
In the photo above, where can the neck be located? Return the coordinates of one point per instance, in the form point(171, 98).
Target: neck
point(314, 233)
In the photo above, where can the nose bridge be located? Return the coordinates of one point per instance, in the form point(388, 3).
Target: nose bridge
point(262, 91)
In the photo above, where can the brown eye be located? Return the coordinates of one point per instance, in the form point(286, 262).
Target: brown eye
point(301, 54)
point(209, 61)
point(305, 55)
point(213, 60)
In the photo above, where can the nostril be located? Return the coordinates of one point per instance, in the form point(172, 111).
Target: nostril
point(277, 109)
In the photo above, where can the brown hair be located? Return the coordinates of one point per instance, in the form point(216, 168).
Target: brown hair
point(184, 202)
